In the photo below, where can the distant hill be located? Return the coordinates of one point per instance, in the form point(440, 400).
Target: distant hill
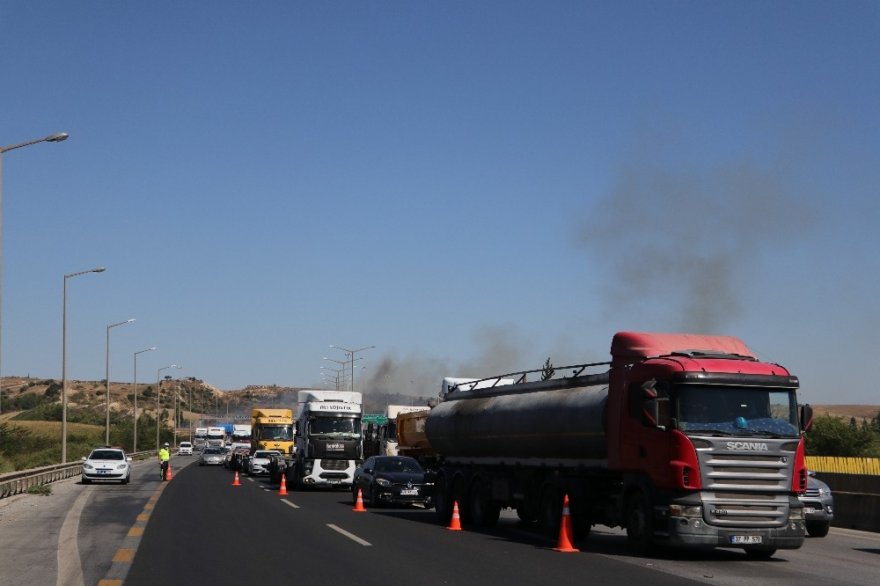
point(205, 401)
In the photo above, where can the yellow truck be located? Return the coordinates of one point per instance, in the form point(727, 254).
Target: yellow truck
point(272, 429)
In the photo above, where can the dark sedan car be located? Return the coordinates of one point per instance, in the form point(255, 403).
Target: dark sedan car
point(392, 480)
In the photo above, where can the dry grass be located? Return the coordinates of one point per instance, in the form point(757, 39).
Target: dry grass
point(53, 428)
point(860, 412)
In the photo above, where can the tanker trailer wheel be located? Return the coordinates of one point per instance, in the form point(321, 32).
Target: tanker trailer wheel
point(550, 513)
point(442, 500)
point(461, 495)
point(484, 510)
point(639, 525)
point(525, 514)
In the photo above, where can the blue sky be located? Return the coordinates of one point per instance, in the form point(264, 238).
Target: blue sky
point(469, 186)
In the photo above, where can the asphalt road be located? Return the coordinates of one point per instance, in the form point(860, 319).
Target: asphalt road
point(199, 528)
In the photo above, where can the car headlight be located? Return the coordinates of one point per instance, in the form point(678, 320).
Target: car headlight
point(122, 467)
point(383, 482)
point(824, 491)
point(87, 466)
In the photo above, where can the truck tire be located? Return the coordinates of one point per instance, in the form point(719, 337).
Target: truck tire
point(760, 554)
point(525, 514)
point(581, 519)
point(550, 512)
point(460, 495)
point(484, 510)
point(442, 500)
point(639, 523)
point(818, 528)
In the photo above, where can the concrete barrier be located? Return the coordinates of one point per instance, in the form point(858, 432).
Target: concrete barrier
point(856, 500)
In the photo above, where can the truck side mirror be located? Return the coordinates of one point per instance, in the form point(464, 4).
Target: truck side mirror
point(806, 417)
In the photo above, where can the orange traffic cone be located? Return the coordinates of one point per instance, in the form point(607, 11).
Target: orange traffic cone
point(235, 481)
point(564, 544)
point(168, 474)
point(359, 503)
point(455, 523)
point(283, 490)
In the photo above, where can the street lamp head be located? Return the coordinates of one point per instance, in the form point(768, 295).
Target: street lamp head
point(57, 137)
point(98, 269)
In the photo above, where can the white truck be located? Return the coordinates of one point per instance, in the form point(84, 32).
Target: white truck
point(241, 435)
point(388, 430)
point(200, 438)
point(328, 438)
point(216, 437)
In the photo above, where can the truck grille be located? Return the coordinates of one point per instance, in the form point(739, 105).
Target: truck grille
point(745, 488)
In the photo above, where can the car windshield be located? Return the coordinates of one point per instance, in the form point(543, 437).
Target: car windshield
point(398, 465)
point(107, 455)
point(213, 451)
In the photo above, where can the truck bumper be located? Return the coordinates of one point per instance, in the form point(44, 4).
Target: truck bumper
point(695, 532)
point(336, 473)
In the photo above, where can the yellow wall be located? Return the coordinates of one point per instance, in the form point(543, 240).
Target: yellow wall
point(867, 466)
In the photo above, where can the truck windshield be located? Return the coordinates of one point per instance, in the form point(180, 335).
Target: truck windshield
point(272, 432)
point(330, 425)
point(737, 410)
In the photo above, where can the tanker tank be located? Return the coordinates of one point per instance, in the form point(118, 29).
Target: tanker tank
point(506, 422)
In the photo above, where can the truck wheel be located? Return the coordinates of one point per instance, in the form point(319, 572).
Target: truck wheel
point(484, 510)
point(442, 501)
point(818, 528)
point(760, 554)
point(581, 519)
point(461, 496)
point(639, 525)
point(550, 514)
point(523, 511)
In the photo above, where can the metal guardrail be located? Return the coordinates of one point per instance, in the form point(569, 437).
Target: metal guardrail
point(21, 481)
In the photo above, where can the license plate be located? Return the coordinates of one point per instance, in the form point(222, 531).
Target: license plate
point(745, 539)
point(809, 510)
point(103, 471)
point(409, 492)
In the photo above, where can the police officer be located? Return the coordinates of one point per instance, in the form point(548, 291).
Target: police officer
point(164, 457)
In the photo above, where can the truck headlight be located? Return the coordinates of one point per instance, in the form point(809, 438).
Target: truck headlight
point(683, 511)
point(796, 514)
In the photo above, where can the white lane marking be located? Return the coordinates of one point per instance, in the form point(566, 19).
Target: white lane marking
point(351, 536)
point(69, 568)
point(290, 504)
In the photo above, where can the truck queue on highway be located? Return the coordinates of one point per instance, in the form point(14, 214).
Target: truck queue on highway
point(680, 439)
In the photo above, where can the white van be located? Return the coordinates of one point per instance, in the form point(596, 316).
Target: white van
point(185, 449)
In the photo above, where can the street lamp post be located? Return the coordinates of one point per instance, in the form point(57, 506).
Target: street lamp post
point(158, 393)
point(107, 379)
point(135, 445)
point(64, 360)
point(51, 138)
point(338, 371)
point(351, 354)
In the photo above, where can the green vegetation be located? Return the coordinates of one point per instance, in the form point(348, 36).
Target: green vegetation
point(835, 436)
point(33, 443)
point(41, 489)
point(547, 371)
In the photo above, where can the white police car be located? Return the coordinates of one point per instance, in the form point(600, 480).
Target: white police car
point(106, 464)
